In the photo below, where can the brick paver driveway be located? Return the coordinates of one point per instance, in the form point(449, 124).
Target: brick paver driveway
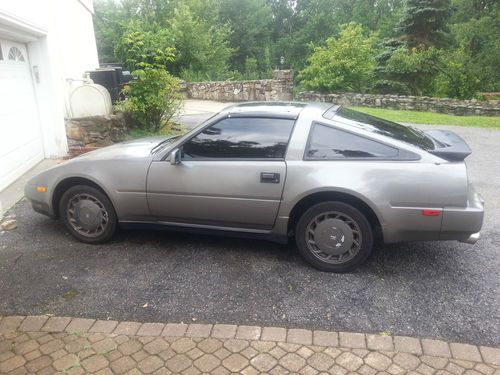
point(427, 290)
point(43, 345)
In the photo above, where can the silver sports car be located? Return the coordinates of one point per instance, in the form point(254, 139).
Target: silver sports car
point(329, 176)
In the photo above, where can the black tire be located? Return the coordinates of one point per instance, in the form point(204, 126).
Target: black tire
point(88, 214)
point(332, 232)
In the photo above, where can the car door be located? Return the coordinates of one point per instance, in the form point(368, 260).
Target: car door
point(231, 174)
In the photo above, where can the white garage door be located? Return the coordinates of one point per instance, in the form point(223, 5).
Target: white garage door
point(20, 138)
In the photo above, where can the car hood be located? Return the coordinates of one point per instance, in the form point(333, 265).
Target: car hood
point(136, 149)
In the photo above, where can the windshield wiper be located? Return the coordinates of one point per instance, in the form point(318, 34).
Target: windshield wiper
point(160, 145)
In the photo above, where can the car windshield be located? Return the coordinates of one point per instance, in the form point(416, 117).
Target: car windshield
point(387, 128)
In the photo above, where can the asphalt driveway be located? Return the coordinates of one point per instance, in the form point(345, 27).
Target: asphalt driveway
point(447, 290)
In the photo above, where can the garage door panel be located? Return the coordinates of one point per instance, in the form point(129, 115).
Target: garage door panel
point(21, 144)
point(30, 154)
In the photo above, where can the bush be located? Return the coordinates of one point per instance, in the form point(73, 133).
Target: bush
point(344, 64)
point(152, 99)
point(409, 71)
point(458, 77)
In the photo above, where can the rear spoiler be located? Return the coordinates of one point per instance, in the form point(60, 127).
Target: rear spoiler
point(449, 145)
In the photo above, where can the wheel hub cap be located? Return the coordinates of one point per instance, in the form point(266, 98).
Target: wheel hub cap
point(333, 237)
point(88, 214)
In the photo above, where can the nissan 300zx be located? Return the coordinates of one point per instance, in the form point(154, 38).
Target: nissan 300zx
point(328, 176)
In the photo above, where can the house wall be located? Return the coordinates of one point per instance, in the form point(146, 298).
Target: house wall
point(59, 36)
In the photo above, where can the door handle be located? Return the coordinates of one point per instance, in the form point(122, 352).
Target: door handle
point(270, 177)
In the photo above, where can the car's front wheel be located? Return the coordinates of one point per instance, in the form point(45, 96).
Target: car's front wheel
point(88, 214)
point(334, 236)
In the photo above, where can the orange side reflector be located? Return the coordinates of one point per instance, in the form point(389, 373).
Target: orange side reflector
point(41, 189)
point(429, 212)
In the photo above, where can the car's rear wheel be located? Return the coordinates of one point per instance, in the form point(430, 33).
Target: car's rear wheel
point(334, 236)
point(88, 214)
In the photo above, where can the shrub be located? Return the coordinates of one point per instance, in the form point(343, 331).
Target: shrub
point(345, 64)
point(409, 71)
point(152, 99)
point(458, 77)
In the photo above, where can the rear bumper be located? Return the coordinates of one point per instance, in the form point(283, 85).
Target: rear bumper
point(464, 224)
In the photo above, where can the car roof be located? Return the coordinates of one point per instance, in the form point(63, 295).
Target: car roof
point(273, 109)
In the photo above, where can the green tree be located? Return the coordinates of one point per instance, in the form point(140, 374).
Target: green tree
point(237, 39)
point(138, 47)
point(201, 47)
point(301, 22)
point(345, 64)
point(410, 61)
point(424, 23)
point(412, 70)
point(456, 78)
point(109, 23)
point(251, 27)
point(476, 27)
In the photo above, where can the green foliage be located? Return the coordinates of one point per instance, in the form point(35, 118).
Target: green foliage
point(153, 99)
point(243, 39)
point(138, 47)
point(345, 64)
point(411, 60)
point(251, 24)
point(201, 47)
point(413, 69)
point(299, 23)
point(424, 23)
point(457, 78)
point(251, 68)
point(108, 29)
point(476, 27)
point(179, 35)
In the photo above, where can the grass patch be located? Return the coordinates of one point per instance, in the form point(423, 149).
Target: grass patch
point(415, 117)
point(170, 129)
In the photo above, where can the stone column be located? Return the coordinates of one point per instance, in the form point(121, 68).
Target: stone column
point(282, 85)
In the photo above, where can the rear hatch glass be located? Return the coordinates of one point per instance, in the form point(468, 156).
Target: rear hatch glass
point(387, 128)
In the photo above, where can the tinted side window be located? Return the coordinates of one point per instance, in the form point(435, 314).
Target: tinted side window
point(390, 129)
point(330, 143)
point(241, 138)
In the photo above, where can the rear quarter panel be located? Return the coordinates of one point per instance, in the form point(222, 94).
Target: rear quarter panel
point(397, 191)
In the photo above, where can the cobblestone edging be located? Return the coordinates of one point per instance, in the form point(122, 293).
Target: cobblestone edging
point(413, 103)
point(48, 345)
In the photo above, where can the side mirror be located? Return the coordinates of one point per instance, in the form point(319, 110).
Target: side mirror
point(175, 156)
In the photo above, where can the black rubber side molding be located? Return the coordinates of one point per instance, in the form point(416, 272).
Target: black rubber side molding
point(449, 146)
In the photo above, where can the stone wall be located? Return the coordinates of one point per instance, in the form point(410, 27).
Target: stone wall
point(414, 103)
point(277, 88)
point(95, 131)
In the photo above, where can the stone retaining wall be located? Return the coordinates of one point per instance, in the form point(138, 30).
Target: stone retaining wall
point(96, 131)
point(277, 88)
point(415, 103)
